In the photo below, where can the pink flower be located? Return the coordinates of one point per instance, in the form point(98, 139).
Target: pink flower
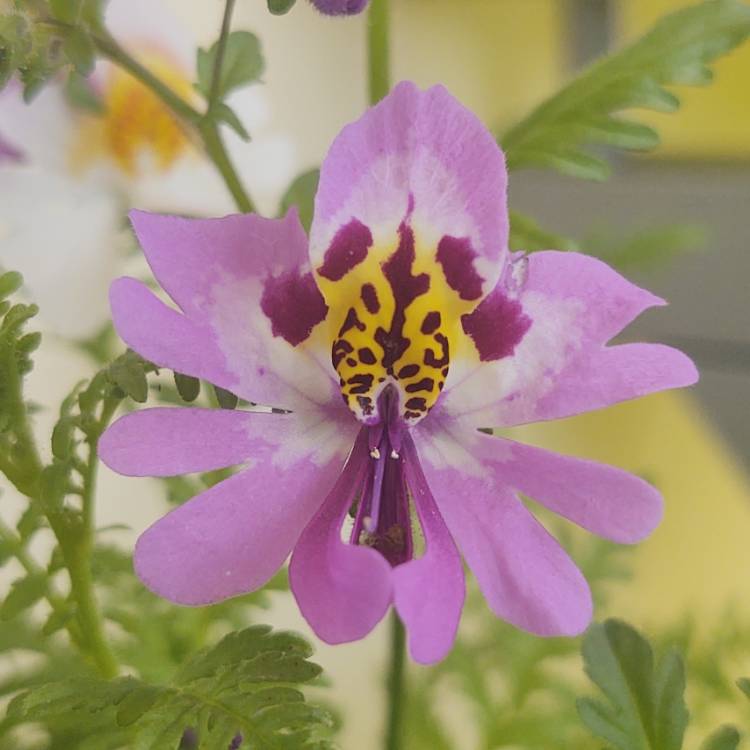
point(410, 306)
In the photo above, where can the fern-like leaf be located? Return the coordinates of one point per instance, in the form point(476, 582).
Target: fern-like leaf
point(588, 112)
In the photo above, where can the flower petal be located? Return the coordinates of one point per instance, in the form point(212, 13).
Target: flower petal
point(535, 348)
point(340, 7)
point(526, 577)
point(429, 591)
point(422, 158)
point(605, 500)
point(342, 590)
point(167, 441)
point(243, 284)
point(231, 538)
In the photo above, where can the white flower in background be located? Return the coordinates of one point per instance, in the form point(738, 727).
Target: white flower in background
point(67, 177)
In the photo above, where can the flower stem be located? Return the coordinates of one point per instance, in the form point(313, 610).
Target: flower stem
point(395, 685)
point(378, 57)
point(203, 123)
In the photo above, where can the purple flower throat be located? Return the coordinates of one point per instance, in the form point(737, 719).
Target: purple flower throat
point(382, 519)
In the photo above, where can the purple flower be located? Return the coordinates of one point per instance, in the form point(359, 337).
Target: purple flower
point(409, 305)
point(340, 7)
point(9, 152)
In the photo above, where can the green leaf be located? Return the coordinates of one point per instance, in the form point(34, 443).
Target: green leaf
point(587, 112)
point(744, 685)
point(280, 7)
point(646, 708)
point(10, 283)
point(301, 193)
point(724, 738)
point(80, 94)
point(128, 373)
point(80, 50)
point(23, 594)
point(187, 386)
point(527, 235)
point(226, 399)
point(226, 114)
point(243, 64)
point(245, 684)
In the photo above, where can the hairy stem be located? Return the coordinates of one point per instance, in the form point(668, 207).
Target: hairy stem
point(378, 56)
point(395, 685)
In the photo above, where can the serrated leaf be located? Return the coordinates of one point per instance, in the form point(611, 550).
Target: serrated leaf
point(244, 685)
point(301, 193)
point(646, 708)
point(24, 593)
point(243, 64)
point(280, 7)
point(724, 738)
point(587, 112)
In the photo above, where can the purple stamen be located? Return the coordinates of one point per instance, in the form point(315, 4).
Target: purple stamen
point(371, 521)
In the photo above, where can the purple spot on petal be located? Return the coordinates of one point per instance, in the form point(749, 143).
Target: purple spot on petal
point(293, 304)
point(496, 326)
point(370, 298)
point(9, 153)
point(348, 248)
point(456, 256)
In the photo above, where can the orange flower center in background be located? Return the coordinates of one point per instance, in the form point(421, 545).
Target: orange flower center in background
point(138, 124)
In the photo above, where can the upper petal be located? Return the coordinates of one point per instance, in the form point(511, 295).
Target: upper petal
point(340, 7)
point(535, 348)
point(244, 286)
point(422, 157)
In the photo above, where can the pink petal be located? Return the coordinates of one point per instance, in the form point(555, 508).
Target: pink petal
point(526, 577)
point(548, 359)
point(245, 288)
point(607, 501)
point(429, 591)
point(167, 441)
point(418, 157)
point(342, 590)
point(231, 538)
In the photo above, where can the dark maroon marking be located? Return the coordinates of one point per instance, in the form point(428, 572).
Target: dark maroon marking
point(412, 414)
point(362, 383)
point(348, 248)
point(381, 380)
point(340, 349)
point(351, 362)
point(441, 385)
point(293, 304)
point(431, 323)
point(416, 404)
point(496, 326)
point(365, 403)
point(429, 356)
point(406, 288)
point(425, 384)
point(444, 372)
point(351, 321)
point(370, 298)
point(366, 356)
point(408, 371)
point(456, 256)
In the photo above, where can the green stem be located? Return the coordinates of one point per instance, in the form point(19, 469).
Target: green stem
point(221, 49)
point(395, 685)
point(203, 123)
point(378, 59)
